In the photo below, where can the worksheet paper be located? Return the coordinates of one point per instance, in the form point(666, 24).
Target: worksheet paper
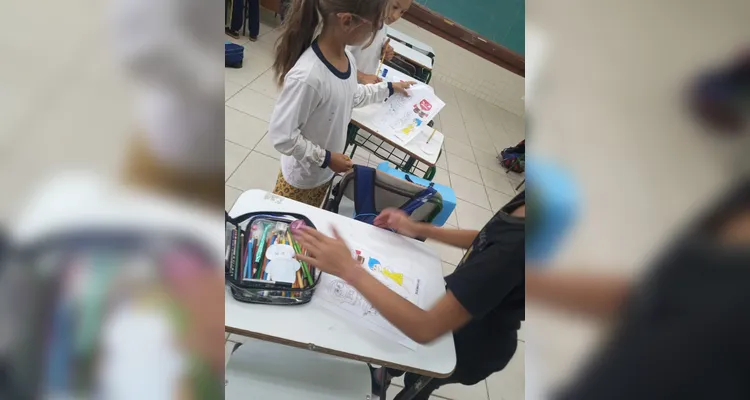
point(342, 299)
point(404, 117)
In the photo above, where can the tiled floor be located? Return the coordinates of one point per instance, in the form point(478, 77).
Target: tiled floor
point(475, 132)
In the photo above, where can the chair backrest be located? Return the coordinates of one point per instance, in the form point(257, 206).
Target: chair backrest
point(391, 191)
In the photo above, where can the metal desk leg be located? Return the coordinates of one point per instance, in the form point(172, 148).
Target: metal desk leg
point(408, 165)
point(414, 390)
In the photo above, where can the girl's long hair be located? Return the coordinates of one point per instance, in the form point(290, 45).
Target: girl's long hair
point(303, 19)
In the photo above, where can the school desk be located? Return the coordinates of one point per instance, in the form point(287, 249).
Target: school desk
point(262, 370)
point(417, 60)
point(415, 44)
point(412, 55)
point(364, 132)
point(313, 327)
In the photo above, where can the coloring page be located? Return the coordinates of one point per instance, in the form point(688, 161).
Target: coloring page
point(341, 298)
point(404, 117)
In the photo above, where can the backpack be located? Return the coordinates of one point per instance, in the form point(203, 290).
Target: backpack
point(233, 55)
point(364, 195)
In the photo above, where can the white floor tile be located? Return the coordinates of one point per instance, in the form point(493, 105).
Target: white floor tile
point(234, 154)
point(488, 159)
point(479, 138)
point(448, 268)
point(509, 384)
point(470, 191)
point(266, 147)
point(230, 89)
point(441, 161)
point(470, 216)
point(258, 171)
point(452, 221)
point(254, 64)
point(394, 390)
point(449, 254)
point(497, 181)
point(460, 149)
point(456, 392)
point(497, 199)
point(465, 168)
point(266, 85)
point(243, 129)
point(251, 102)
point(442, 177)
point(230, 196)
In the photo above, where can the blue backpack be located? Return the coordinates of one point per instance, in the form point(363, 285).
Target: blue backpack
point(233, 55)
point(364, 195)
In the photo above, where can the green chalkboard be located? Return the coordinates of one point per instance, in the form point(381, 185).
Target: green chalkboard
point(502, 21)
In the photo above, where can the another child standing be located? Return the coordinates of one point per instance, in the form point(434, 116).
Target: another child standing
point(369, 56)
point(319, 91)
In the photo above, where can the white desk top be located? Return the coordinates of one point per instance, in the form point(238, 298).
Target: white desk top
point(402, 37)
point(312, 326)
point(364, 118)
point(412, 55)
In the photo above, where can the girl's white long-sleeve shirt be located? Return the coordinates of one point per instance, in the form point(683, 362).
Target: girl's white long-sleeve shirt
point(368, 58)
point(312, 113)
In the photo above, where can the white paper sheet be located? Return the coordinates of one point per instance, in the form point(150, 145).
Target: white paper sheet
point(404, 116)
point(344, 300)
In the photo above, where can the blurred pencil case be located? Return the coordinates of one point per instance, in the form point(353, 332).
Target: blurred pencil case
point(260, 264)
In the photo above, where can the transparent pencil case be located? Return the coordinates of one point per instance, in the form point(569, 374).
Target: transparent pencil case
point(259, 260)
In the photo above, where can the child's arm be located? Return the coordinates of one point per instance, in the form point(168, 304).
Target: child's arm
point(422, 326)
point(396, 219)
point(598, 296)
point(296, 102)
point(370, 94)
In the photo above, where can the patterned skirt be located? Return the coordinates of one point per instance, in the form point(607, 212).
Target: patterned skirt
point(313, 197)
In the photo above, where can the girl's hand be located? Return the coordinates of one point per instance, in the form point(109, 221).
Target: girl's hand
point(330, 255)
point(366, 79)
point(393, 218)
point(340, 163)
point(400, 87)
point(388, 52)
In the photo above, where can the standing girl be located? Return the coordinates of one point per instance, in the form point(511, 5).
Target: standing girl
point(319, 90)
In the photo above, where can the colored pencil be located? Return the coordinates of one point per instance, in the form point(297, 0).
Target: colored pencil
point(305, 270)
point(259, 254)
point(431, 135)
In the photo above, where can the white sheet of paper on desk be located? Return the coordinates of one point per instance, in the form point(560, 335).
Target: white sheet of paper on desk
point(344, 300)
point(403, 117)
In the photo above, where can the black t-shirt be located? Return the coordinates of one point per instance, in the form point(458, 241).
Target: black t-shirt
point(685, 331)
point(489, 283)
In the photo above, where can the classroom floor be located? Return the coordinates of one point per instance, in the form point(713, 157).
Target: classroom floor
point(475, 132)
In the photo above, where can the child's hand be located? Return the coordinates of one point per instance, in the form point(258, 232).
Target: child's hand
point(393, 218)
point(388, 51)
point(330, 255)
point(340, 163)
point(400, 87)
point(366, 79)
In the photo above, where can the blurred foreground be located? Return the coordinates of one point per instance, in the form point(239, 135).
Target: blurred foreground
point(108, 291)
point(608, 101)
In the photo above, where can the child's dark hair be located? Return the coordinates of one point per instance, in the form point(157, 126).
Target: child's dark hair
point(301, 24)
